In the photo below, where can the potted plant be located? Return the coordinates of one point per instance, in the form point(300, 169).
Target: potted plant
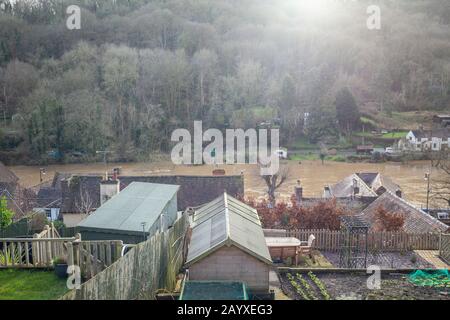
point(60, 265)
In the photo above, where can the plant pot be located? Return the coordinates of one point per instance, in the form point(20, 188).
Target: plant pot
point(61, 270)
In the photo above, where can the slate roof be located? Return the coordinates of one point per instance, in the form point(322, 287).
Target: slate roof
point(344, 188)
point(369, 184)
point(75, 188)
point(227, 221)
point(443, 133)
point(416, 220)
point(139, 202)
point(48, 197)
point(194, 190)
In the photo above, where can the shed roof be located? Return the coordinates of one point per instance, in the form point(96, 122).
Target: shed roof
point(227, 221)
point(139, 202)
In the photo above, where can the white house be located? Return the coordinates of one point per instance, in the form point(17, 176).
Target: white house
point(419, 140)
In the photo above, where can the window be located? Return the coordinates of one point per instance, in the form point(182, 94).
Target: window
point(48, 213)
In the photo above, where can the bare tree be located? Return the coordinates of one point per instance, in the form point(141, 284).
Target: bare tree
point(275, 181)
point(84, 203)
point(441, 184)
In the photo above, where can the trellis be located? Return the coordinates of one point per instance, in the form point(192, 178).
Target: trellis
point(444, 247)
point(353, 242)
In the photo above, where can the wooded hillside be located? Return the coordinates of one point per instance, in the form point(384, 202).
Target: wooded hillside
point(138, 69)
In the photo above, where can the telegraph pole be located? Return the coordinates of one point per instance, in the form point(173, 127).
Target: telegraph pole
point(427, 177)
point(104, 153)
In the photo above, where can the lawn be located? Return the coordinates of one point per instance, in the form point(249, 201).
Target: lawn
point(313, 157)
point(30, 285)
point(387, 136)
point(302, 143)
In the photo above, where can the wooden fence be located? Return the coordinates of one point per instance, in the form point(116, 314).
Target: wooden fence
point(444, 247)
point(32, 252)
point(93, 256)
point(150, 266)
point(40, 251)
point(329, 240)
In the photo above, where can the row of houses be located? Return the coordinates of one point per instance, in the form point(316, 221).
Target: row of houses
point(426, 140)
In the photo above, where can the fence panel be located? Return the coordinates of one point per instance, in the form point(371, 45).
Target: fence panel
point(329, 240)
point(149, 266)
point(31, 252)
point(444, 247)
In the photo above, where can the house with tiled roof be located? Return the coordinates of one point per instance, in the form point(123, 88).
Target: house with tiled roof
point(416, 220)
point(362, 185)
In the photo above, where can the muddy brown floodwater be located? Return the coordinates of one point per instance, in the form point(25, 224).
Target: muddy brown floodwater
point(313, 174)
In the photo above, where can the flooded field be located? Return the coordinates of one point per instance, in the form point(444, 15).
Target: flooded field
point(313, 174)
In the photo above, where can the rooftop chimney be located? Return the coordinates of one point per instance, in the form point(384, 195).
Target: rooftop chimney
point(355, 187)
point(327, 192)
point(108, 189)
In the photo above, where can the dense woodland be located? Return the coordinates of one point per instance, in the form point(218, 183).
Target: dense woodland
point(138, 69)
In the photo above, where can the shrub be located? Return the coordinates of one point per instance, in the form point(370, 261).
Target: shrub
point(388, 221)
point(324, 215)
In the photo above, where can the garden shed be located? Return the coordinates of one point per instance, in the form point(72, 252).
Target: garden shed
point(228, 244)
point(133, 215)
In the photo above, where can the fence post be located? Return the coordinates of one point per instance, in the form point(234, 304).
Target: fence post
point(35, 250)
point(70, 254)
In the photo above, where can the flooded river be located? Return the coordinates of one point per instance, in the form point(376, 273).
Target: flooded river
point(313, 174)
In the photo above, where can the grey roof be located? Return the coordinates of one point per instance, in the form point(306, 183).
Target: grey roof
point(73, 189)
point(227, 221)
point(370, 184)
point(49, 197)
point(139, 202)
point(416, 220)
point(344, 188)
point(194, 190)
point(435, 133)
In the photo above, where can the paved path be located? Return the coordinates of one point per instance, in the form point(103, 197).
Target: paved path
point(432, 256)
point(275, 285)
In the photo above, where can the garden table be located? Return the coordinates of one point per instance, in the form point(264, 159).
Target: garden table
point(282, 248)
